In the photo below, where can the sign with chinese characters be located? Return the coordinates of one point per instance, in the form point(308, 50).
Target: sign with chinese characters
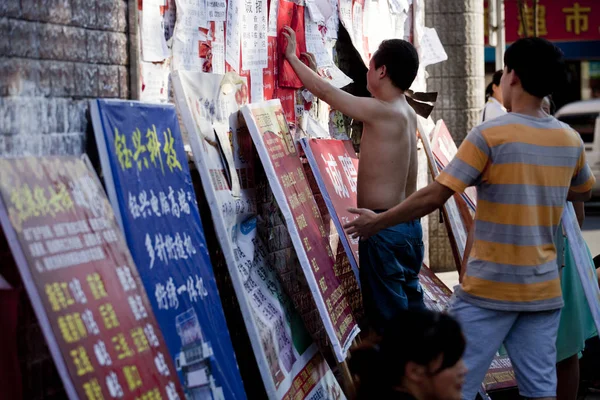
point(444, 149)
point(82, 281)
point(285, 353)
point(149, 184)
point(335, 167)
point(277, 151)
point(557, 20)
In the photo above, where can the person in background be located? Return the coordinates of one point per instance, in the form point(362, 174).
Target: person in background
point(419, 357)
point(493, 97)
point(511, 290)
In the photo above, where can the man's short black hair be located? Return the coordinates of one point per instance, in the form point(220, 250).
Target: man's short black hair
point(401, 61)
point(539, 64)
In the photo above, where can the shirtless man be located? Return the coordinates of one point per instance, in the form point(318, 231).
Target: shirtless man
point(389, 261)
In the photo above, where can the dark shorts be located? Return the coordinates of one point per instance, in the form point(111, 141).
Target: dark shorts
point(390, 262)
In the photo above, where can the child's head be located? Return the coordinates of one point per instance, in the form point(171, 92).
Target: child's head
point(420, 353)
point(534, 65)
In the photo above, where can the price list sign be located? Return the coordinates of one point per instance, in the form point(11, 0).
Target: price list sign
point(82, 281)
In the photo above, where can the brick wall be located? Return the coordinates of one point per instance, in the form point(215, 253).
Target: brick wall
point(55, 55)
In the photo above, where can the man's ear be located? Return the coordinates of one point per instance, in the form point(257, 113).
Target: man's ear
point(382, 72)
point(414, 372)
point(514, 78)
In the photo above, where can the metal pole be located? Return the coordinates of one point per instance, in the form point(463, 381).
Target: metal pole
point(500, 32)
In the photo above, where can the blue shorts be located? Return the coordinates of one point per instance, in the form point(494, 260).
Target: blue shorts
point(530, 340)
point(390, 262)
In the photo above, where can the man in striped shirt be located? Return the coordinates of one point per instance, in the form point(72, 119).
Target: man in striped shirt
point(525, 165)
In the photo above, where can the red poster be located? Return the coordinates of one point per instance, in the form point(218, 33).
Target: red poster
point(557, 20)
point(275, 145)
point(292, 15)
point(335, 167)
point(82, 281)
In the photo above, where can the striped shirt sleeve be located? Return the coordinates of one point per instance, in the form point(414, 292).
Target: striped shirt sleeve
point(468, 165)
point(583, 179)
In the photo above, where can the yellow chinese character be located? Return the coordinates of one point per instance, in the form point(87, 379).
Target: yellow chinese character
point(315, 266)
point(22, 200)
point(153, 394)
point(139, 340)
point(301, 222)
point(59, 296)
point(541, 21)
point(71, 327)
point(124, 155)
point(323, 285)
point(139, 150)
point(42, 206)
point(122, 347)
point(109, 316)
point(96, 285)
point(300, 174)
point(577, 18)
point(92, 389)
point(153, 146)
point(172, 161)
point(307, 247)
point(322, 230)
point(81, 361)
point(134, 380)
point(60, 200)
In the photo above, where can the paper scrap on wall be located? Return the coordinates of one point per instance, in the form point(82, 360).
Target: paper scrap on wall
point(233, 34)
point(191, 16)
point(154, 45)
point(432, 51)
point(155, 82)
point(254, 35)
point(216, 10)
point(218, 48)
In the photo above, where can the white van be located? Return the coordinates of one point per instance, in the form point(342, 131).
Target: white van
point(584, 117)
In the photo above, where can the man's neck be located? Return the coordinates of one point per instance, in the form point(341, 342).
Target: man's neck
point(390, 94)
point(526, 104)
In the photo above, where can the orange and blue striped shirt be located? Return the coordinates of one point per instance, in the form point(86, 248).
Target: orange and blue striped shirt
point(523, 168)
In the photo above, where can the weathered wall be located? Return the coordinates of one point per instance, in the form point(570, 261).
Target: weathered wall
point(55, 55)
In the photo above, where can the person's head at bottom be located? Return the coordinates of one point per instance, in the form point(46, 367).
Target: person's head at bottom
point(419, 356)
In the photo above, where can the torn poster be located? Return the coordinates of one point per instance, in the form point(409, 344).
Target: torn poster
point(233, 34)
point(218, 48)
point(154, 45)
point(216, 10)
point(155, 82)
point(254, 35)
point(256, 86)
point(315, 43)
point(191, 16)
point(273, 10)
point(432, 51)
point(292, 15)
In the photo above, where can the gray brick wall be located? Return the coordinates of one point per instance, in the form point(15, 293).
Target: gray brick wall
point(55, 55)
point(460, 84)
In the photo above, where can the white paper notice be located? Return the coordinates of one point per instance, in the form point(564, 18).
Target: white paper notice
point(398, 6)
point(335, 76)
point(315, 43)
point(155, 81)
point(378, 26)
point(256, 86)
point(315, 12)
point(217, 10)
point(273, 11)
point(191, 15)
point(432, 51)
point(346, 14)
point(357, 30)
point(218, 49)
point(333, 23)
point(254, 35)
point(233, 34)
point(154, 45)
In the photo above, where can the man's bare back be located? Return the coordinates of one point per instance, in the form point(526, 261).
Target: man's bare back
point(387, 172)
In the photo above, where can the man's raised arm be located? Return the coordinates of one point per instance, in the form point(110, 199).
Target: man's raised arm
point(363, 109)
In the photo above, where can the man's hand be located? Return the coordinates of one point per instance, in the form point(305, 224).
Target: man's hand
point(364, 226)
point(311, 61)
point(290, 36)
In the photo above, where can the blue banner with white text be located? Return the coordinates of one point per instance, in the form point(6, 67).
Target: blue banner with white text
point(148, 180)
